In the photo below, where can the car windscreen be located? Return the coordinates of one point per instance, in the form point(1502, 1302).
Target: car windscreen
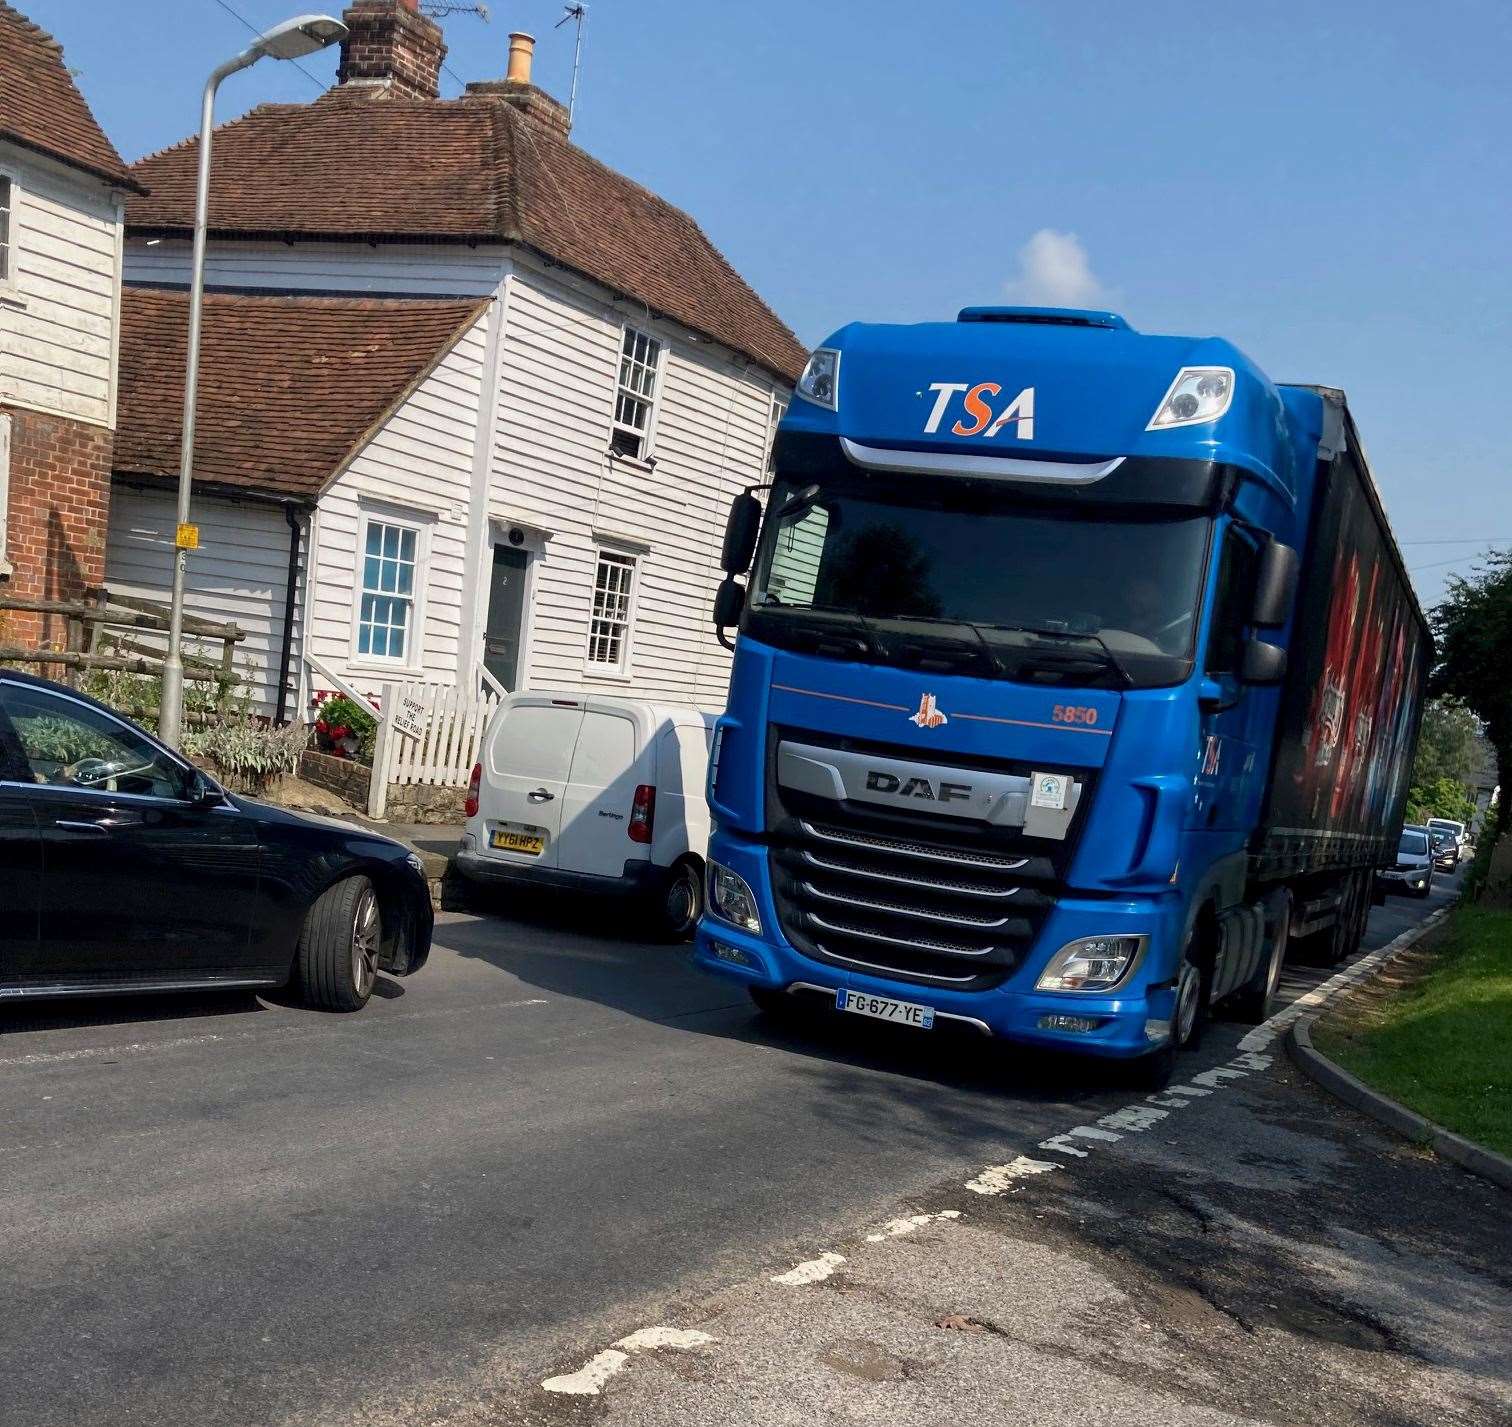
point(1019, 590)
point(1413, 844)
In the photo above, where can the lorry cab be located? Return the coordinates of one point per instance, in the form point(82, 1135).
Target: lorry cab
point(593, 794)
point(1028, 727)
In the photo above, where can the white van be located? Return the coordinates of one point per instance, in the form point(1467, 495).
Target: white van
point(594, 794)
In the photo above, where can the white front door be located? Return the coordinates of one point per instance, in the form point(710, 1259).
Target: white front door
point(595, 835)
point(523, 793)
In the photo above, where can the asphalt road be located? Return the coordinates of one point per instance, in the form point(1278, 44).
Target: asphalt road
point(239, 1211)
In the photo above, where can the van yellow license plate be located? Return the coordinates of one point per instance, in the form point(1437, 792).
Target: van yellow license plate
point(530, 843)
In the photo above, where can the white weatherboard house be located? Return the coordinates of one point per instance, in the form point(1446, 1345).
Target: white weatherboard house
point(469, 399)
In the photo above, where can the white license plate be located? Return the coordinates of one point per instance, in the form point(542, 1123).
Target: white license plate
point(884, 1008)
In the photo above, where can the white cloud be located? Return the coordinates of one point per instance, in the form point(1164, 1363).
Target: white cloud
point(1054, 272)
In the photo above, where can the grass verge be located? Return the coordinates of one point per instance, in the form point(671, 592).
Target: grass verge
point(1441, 1041)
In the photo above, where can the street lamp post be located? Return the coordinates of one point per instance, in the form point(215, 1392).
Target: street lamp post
point(292, 39)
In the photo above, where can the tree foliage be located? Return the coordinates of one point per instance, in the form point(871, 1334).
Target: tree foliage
point(1474, 629)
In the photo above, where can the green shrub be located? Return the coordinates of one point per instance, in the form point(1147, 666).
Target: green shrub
point(342, 713)
point(248, 748)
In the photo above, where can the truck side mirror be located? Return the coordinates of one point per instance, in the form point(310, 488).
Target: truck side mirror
point(1263, 663)
point(1275, 585)
point(741, 528)
point(729, 604)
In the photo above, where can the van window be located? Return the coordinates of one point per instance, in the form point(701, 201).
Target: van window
point(535, 741)
point(605, 749)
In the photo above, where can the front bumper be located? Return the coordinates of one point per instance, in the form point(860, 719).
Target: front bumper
point(1129, 1021)
point(1416, 880)
point(638, 877)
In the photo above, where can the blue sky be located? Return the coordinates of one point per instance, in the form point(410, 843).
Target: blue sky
point(1330, 186)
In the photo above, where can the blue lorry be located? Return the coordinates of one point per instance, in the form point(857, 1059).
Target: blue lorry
point(1077, 679)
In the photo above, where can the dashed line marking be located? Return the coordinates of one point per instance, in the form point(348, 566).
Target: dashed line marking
point(589, 1380)
point(810, 1271)
point(896, 1228)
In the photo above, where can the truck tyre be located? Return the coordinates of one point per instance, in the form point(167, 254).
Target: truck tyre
point(1188, 1020)
point(1252, 1003)
point(339, 946)
point(679, 904)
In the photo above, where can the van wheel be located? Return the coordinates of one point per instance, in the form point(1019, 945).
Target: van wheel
point(339, 946)
point(1252, 1004)
point(677, 910)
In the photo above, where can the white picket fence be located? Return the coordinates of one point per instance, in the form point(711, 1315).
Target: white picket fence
point(428, 733)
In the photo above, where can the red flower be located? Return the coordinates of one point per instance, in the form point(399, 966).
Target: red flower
point(321, 726)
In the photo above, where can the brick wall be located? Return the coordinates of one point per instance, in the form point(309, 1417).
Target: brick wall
point(390, 42)
point(58, 512)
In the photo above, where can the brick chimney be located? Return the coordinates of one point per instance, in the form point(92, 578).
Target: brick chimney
point(392, 49)
point(516, 90)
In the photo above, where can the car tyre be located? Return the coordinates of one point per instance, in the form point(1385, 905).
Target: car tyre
point(679, 904)
point(339, 946)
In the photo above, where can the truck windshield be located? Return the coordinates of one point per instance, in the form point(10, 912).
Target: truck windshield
point(968, 577)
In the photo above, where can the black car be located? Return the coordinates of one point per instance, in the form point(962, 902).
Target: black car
point(124, 868)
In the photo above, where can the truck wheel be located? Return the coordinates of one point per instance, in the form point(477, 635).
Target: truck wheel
point(1252, 1004)
point(339, 946)
point(1188, 1021)
point(679, 905)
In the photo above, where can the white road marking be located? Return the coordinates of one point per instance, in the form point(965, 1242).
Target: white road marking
point(812, 1271)
point(1000, 1177)
point(896, 1228)
point(649, 1338)
point(589, 1380)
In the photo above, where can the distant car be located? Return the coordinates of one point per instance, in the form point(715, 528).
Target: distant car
point(594, 795)
point(1457, 840)
point(1413, 869)
point(1446, 852)
point(127, 869)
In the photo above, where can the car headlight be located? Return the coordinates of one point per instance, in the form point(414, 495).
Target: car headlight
point(1092, 963)
point(731, 899)
point(414, 860)
point(1198, 395)
point(820, 382)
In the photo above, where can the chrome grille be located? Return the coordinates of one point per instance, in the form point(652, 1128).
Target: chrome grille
point(907, 907)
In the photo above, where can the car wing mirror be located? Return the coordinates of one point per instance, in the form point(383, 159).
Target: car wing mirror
point(729, 605)
point(203, 791)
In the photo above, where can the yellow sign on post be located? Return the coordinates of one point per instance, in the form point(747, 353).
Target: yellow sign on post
point(187, 538)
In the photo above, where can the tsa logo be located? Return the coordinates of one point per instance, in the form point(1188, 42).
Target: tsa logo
point(979, 418)
point(928, 715)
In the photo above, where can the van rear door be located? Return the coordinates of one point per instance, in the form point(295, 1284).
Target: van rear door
point(595, 836)
point(523, 791)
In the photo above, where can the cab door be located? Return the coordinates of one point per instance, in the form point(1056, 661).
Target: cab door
point(606, 771)
point(524, 785)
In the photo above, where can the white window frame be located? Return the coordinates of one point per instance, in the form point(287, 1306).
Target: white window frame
point(623, 555)
point(657, 367)
point(9, 281)
point(413, 660)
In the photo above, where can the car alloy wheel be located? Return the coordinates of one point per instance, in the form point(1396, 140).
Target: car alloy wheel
point(367, 934)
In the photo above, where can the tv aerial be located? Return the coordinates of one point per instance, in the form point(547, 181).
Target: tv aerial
point(440, 9)
point(578, 13)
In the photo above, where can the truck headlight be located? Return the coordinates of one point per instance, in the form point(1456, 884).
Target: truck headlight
point(820, 382)
point(731, 899)
point(1198, 395)
point(1092, 963)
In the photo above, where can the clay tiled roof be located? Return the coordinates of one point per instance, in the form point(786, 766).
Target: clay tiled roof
point(41, 107)
point(474, 168)
point(289, 387)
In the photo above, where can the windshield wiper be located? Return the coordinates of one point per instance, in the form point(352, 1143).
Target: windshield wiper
point(897, 637)
point(1110, 659)
point(847, 619)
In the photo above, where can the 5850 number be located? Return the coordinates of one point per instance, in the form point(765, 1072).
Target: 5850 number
point(1074, 713)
